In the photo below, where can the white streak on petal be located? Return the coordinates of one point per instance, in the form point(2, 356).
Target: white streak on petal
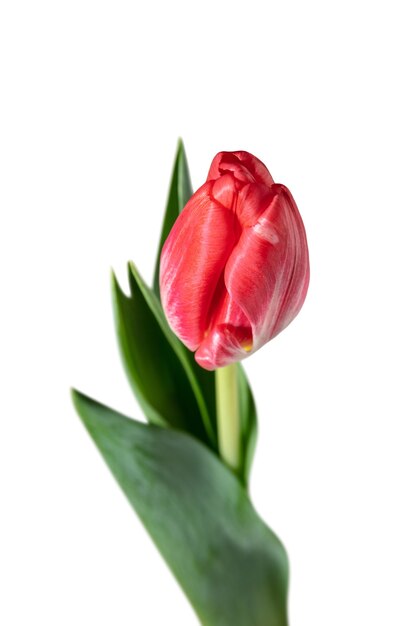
point(266, 230)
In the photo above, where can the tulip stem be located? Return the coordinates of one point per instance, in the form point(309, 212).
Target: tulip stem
point(228, 418)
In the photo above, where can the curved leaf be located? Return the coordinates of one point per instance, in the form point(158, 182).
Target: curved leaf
point(184, 365)
point(157, 377)
point(233, 569)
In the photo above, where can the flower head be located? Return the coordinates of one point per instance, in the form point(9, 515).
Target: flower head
point(234, 268)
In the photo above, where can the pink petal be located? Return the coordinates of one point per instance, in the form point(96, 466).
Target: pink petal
point(298, 286)
point(224, 190)
point(192, 261)
point(267, 272)
point(252, 201)
point(245, 167)
point(258, 169)
point(229, 338)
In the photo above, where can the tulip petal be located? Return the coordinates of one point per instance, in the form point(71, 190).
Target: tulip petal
point(224, 190)
point(252, 201)
point(192, 261)
point(267, 272)
point(244, 166)
point(300, 278)
point(258, 170)
point(229, 338)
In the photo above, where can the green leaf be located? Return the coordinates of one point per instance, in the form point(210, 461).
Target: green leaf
point(232, 568)
point(201, 381)
point(180, 192)
point(248, 424)
point(157, 377)
point(156, 363)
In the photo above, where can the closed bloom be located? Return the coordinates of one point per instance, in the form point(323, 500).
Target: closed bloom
point(234, 268)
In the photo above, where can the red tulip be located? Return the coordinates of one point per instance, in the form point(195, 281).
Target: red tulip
point(234, 268)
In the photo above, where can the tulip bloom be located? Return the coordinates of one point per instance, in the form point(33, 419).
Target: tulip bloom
point(234, 268)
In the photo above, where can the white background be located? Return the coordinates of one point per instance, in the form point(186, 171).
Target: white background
point(93, 98)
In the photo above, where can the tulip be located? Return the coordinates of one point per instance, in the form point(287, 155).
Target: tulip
point(234, 269)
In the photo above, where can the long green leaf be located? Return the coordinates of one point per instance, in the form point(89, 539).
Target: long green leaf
point(198, 380)
point(179, 193)
point(156, 374)
point(230, 565)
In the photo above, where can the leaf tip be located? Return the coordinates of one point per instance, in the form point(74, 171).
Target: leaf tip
point(134, 276)
point(113, 280)
point(77, 399)
point(180, 145)
point(117, 294)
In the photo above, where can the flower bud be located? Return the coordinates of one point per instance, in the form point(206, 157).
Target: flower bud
point(234, 269)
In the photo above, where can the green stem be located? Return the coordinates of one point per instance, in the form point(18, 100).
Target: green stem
point(228, 418)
